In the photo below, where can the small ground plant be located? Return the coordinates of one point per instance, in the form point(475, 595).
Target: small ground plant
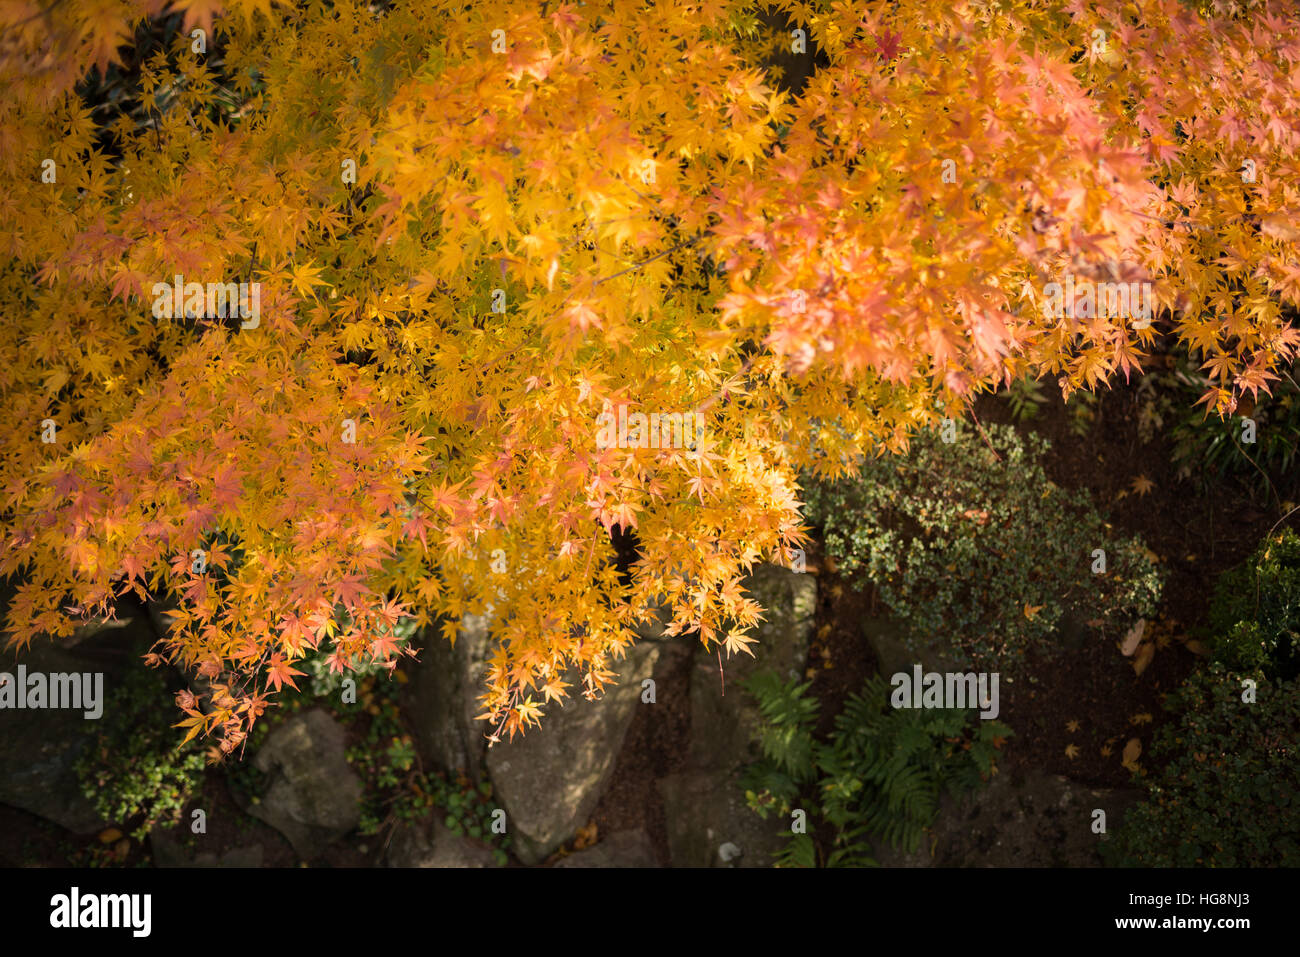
point(133, 773)
point(398, 790)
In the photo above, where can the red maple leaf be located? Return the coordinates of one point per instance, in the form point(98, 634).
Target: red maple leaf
point(888, 44)
point(280, 672)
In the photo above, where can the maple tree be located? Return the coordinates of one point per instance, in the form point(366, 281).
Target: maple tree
point(476, 229)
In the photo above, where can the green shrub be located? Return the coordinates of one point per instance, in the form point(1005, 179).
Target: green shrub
point(879, 776)
point(133, 773)
point(1230, 795)
point(987, 551)
point(1255, 616)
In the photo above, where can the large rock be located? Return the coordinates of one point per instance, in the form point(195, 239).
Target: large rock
point(434, 845)
point(550, 779)
point(166, 844)
point(704, 811)
point(723, 717)
point(621, 849)
point(443, 698)
point(895, 653)
point(39, 748)
point(312, 796)
point(1018, 820)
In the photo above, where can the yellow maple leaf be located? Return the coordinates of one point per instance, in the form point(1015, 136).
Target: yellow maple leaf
point(305, 277)
point(529, 713)
point(553, 690)
point(1071, 751)
point(738, 641)
point(1072, 726)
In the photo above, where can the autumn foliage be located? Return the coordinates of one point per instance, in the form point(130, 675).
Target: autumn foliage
point(478, 227)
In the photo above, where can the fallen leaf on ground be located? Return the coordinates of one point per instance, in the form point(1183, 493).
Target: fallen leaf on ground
point(1133, 638)
point(585, 837)
point(1132, 751)
point(1144, 656)
point(1071, 751)
point(1072, 726)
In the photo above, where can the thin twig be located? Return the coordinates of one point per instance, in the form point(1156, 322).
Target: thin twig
point(983, 434)
point(1257, 468)
point(39, 13)
point(1281, 520)
point(673, 249)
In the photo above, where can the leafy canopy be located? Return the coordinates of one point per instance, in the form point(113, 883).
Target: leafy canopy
point(672, 228)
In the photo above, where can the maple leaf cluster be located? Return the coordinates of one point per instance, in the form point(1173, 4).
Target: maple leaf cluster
point(476, 229)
